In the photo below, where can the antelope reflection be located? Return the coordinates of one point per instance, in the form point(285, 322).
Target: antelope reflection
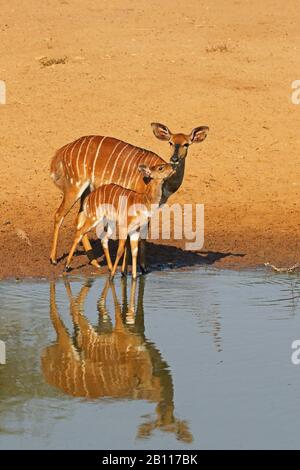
point(115, 361)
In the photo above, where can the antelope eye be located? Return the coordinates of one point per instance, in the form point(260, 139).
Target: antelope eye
point(161, 168)
point(186, 145)
point(171, 143)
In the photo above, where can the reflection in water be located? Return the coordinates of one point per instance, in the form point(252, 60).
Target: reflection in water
point(216, 329)
point(111, 361)
point(209, 321)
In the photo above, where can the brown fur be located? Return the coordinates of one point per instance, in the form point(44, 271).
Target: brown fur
point(95, 210)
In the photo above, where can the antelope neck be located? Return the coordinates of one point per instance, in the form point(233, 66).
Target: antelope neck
point(153, 192)
point(171, 184)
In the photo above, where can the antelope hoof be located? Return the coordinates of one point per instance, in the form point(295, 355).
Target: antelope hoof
point(144, 270)
point(67, 268)
point(95, 264)
point(123, 273)
point(53, 261)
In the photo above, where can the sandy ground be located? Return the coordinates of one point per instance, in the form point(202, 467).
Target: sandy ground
point(226, 64)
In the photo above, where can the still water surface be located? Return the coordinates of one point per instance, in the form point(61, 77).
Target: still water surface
point(179, 360)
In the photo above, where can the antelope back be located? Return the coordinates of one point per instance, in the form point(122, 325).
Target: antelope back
point(107, 196)
point(98, 160)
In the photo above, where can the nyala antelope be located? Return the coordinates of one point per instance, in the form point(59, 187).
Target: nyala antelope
point(91, 161)
point(105, 206)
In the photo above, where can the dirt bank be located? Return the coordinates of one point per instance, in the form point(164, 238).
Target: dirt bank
point(112, 67)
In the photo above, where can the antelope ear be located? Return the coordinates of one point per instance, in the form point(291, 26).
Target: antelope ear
point(161, 131)
point(145, 170)
point(199, 134)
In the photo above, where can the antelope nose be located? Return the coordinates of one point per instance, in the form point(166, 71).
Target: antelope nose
point(175, 159)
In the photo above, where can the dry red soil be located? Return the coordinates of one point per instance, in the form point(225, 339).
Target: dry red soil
point(123, 64)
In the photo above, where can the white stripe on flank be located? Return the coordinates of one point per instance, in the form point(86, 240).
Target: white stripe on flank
point(115, 192)
point(108, 159)
point(153, 161)
point(84, 160)
point(103, 200)
point(70, 159)
point(138, 174)
point(116, 160)
point(135, 172)
point(123, 183)
point(78, 155)
point(119, 199)
point(123, 165)
point(97, 153)
point(97, 214)
point(120, 190)
point(121, 207)
point(70, 150)
point(153, 157)
point(86, 205)
point(109, 202)
point(122, 212)
point(91, 214)
point(130, 169)
point(65, 151)
point(95, 204)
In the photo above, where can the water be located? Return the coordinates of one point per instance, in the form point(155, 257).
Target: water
point(184, 360)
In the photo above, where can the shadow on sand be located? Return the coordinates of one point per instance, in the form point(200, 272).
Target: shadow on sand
point(169, 256)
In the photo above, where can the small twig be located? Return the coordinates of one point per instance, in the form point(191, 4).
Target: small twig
point(284, 270)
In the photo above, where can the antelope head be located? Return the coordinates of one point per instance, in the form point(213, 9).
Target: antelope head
point(157, 172)
point(179, 143)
